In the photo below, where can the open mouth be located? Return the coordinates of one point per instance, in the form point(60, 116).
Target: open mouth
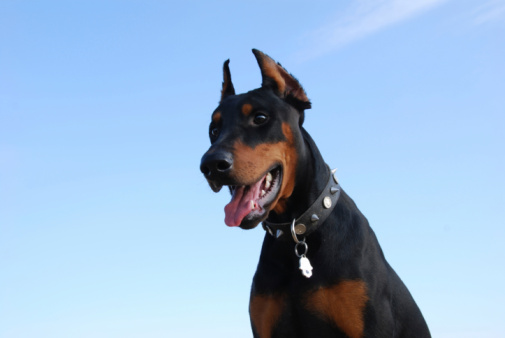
point(249, 203)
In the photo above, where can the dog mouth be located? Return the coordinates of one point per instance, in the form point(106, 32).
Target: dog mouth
point(250, 203)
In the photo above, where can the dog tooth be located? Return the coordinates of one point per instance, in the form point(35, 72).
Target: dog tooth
point(263, 193)
point(269, 177)
point(252, 204)
point(267, 184)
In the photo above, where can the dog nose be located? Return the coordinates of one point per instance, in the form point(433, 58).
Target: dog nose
point(216, 164)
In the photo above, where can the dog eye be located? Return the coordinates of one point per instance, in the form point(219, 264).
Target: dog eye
point(214, 132)
point(260, 118)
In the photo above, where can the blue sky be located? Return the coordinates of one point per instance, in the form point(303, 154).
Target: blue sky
point(107, 227)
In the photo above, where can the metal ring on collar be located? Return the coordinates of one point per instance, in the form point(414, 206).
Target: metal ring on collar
point(293, 233)
point(306, 247)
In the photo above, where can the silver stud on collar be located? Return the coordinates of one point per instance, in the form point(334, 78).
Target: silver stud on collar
point(278, 233)
point(327, 202)
point(333, 190)
point(334, 176)
point(300, 229)
point(314, 218)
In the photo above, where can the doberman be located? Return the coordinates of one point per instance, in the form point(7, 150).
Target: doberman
point(277, 176)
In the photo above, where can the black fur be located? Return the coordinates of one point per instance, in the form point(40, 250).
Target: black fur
point(347, 259)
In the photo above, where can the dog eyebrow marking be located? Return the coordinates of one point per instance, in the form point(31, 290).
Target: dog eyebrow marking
point(265, 311)
point(247, 109)
point(343, 304)
point(216, 117)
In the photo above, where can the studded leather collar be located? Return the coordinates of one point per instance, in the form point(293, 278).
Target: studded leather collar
point(314, 216)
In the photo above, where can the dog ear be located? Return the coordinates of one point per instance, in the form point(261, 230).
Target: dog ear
point(276, 77)
point(227, 89)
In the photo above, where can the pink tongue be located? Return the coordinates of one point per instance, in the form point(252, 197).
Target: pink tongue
point(240, 204)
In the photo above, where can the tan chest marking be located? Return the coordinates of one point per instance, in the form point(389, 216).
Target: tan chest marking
point(265, 311)
point(342, 304)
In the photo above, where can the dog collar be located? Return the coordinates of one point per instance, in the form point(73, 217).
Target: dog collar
point(314, 216)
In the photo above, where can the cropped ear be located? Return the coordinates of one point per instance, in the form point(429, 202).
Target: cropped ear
point(227, 89)
point(284, 84)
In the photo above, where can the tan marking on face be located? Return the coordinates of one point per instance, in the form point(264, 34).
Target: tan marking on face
point(343, 304)
point(251, 163)
point(265, 311)
point(216, 117)
point(247, 109)
point(289, 171)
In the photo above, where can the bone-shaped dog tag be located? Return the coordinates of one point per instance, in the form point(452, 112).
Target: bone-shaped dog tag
point(305, 266)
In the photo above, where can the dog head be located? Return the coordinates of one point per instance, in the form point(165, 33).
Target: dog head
point(255, 140)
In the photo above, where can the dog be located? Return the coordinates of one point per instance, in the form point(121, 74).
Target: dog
point(321, 271)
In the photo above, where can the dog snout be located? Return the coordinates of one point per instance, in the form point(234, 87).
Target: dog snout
point(216, 164)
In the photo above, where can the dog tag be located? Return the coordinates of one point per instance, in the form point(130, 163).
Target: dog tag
point(305, 266)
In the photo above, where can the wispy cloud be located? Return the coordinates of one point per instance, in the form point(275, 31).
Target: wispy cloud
point(363, 18)
point(490, 11)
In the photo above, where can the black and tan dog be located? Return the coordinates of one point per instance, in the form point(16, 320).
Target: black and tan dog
point(277, 176)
